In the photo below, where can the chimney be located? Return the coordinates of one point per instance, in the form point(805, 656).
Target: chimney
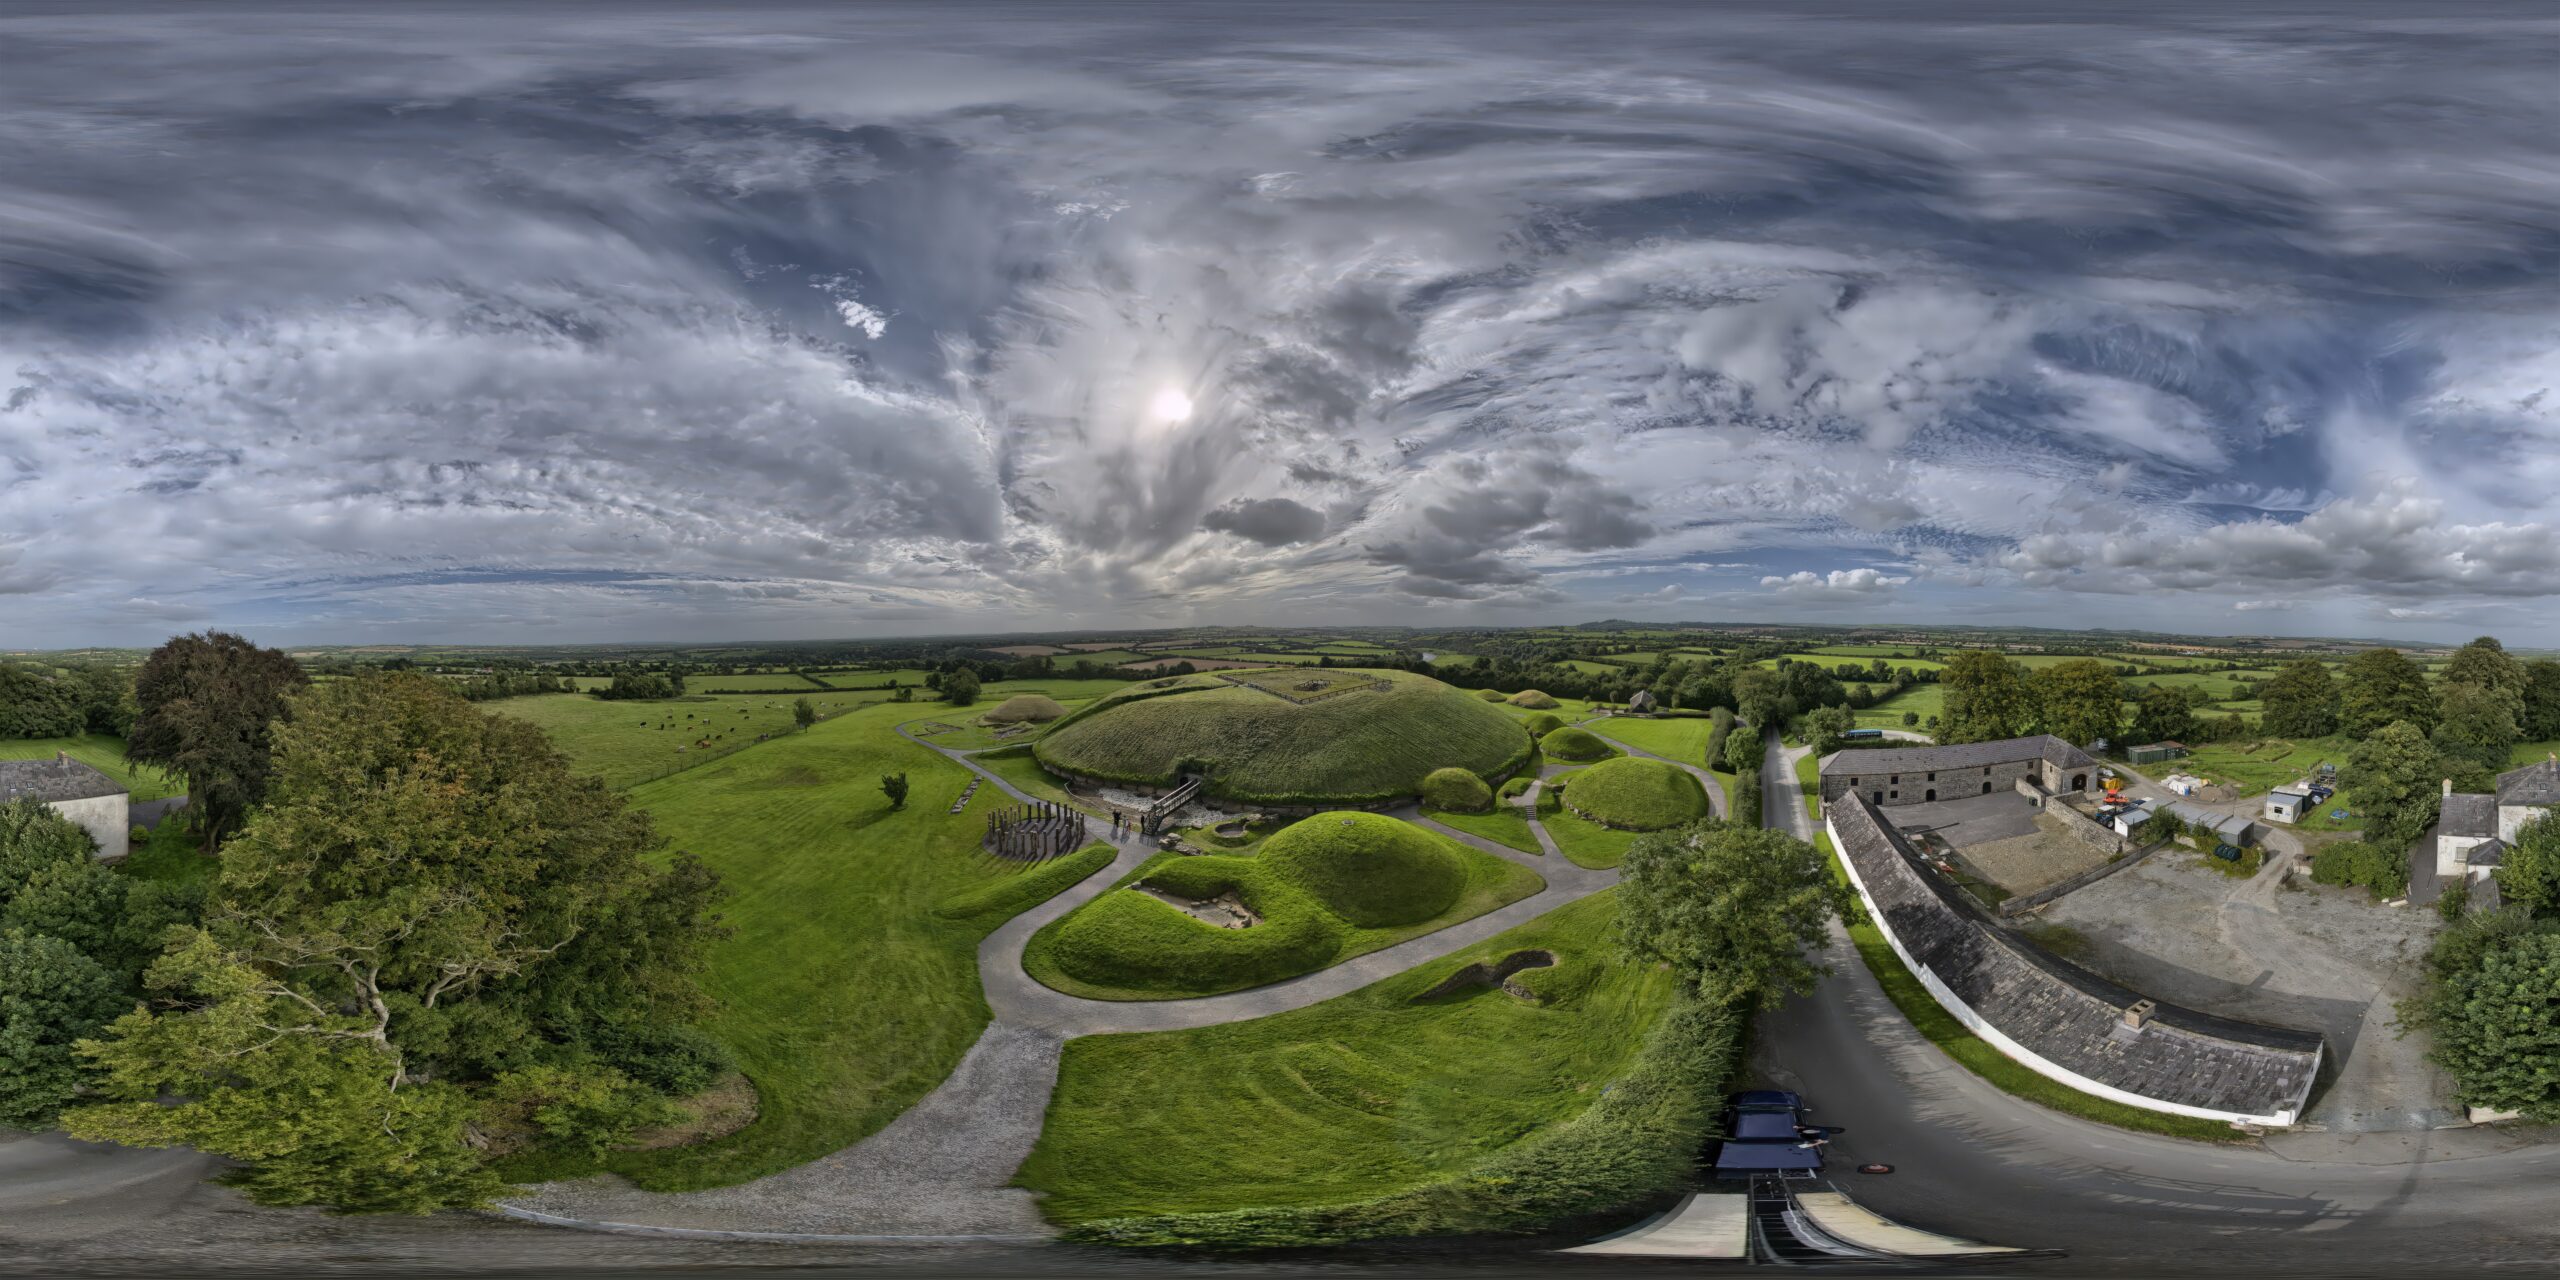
point(61, 756)
point(2138, 1014)
point(2448, 786)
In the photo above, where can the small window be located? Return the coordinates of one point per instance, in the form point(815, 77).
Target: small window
point(1895, 778)
point(1897, 795)
point(1933, 777)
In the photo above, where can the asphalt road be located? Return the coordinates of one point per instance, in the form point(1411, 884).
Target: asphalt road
point(1973, 1161)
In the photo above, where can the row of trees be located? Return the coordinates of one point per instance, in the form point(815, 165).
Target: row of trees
point(2484, 703)
point(47, 702)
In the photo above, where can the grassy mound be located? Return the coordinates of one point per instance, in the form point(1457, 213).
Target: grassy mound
point(1259, 737)
point(1491, 695)
point(1125, 939)
point(1574, 744)
point(1370, 870)
point(1542, 724)
point(1458, 790)
point(1021, 707)
point(1534, 700)
point(1635, 794)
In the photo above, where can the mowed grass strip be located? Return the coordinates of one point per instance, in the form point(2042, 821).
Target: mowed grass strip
point(103, 752)
point(1585, 843)
point(1359, 1095)
point(1504, 825)
point(843, 995)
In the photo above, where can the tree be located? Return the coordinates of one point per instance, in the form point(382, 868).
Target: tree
point(1827, 728)
point(1910, 718)
point(2485, 664)
point(1986, 698)
point(2395, 775)
point(2529, 876)
point(428, 899)
point(804, 713)
point(1743, 750)
point(2161, 714)
point(894, 786)
point(2379, 686)
point(2079, 701)
point(2493, 1005)
point(2476, 727)
point(960, 687)
point(206, 708)
point(2302, 701)
point(52, 885)
point(51, 997)
point(1760, 695)
point(1734, 910)
point(35, 705)
point(2542, 700)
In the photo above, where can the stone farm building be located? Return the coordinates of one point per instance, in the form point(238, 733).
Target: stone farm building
point(98, 803)
point(2473, 829)
point(1919, 775)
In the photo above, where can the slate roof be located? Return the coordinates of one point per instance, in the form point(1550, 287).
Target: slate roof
point(2536, 783)
point(2466, 814)
point(1971, 755)
point(52, 780)
point(2063, 1013)
point(2488, 853)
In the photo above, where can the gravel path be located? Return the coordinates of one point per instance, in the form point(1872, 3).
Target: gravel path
point(940, 1171)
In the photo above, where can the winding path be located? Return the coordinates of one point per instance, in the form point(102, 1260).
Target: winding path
point(940, 1170)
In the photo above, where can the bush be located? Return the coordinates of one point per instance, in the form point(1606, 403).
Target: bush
point(1542, 724)
point(1534, 700)
point(1633, 794)
point(1373, 871)
point(1723, 728)
point(2358, 864)
point(674, 1060)
point(1457, 791)
point(1000, 900)
point(1746, 798)
point(1576, 745)
point(1638, 1141)
point(1128, 940)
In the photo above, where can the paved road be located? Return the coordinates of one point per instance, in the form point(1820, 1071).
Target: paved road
point(1974, 1161)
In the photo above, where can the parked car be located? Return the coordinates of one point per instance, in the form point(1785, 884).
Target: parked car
point(1766, 1131)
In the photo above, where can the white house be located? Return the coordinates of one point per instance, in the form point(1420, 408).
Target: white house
point(98, 803)
point(2472, 829)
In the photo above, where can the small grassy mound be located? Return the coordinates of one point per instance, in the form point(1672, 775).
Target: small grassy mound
point(1534, 700)
point(1634, 794)
point(1542, 724)
point(1576, 745)
point(1023, 708)
point(1127, 940)
point(1456, 790)
point(1491, 695)
point(1372, 871)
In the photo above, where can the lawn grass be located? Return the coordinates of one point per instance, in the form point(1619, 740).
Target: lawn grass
point(1635, 794)
point(1586, 843)
point(1362, 1094)
point(172, 855)
point(1681, 738)
point(843, 996)
point(2256, 765)
point(1015, 765)
point(1125, 946)
point(1002, 899)
point(1368, 743)
point(625, 743)
point(103, 752)
point(1809, 782)
point(1922, 700)
point(1977, 1055)
point(1505, 825)
point(767, 682)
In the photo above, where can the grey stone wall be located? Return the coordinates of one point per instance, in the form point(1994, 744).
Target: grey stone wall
point(1913, 788)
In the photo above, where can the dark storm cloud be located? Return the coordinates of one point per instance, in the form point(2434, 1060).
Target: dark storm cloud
point(786, 321)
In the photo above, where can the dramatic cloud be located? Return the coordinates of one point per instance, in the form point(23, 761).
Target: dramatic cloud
point(490, 323)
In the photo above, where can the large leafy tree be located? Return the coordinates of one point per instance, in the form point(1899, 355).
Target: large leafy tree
point(2079, 701)
point(2485, 664)
point(35, 705)
point(2529, 876)
point(2380, 686)
point(2302, 701)
point(2396, 776)
point(1761, 696)
point(51, 995)
point(429, 900)
point(1987, 698)
point(2493, 1006)
point(2163, 714)
point(1827, 728)
point(2542, 699)
point(52, 885)
point(1734, 910)
point(2475, 730)
point(206, 706)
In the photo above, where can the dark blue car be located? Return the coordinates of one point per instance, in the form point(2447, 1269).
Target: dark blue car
point(1766, 1132)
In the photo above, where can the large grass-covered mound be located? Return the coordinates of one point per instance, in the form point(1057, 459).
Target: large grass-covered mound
point(1258, 736)
point(1130, 941)
point(1535, 700)
point(1021, 707)
point(1456, 790)
point(1540, 724)
point(1635, 794)
point(1370, 870)
point(1575, 745)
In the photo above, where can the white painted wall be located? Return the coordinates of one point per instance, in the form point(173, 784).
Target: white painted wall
point(107, 819)
point(2019, 1053)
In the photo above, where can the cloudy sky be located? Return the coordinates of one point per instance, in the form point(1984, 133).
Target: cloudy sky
point(528, 323)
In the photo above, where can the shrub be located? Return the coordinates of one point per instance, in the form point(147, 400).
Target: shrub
point(1534, 700)
point(1456, 790)
point(674, 1060)
point(1634, 794)
point(1126, 939)
point(1575, 744)
point(1025, 707)
point(1373, 871)
point(2356, 863)
point(1000, 900)
point(1542, 724)
point(1638, 1141)
point(1723, 727)
point(1746, 798)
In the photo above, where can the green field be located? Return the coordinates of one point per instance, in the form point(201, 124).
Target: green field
point(1358, 1095)
point(1321, 902)
point(1370, 743)
point(103, 752)
point(1924, 700)
point(1453, 661)
point(842, 994)
point(782, 683)
point(1683, 739)
point(627, 743)
point(2256, 765)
